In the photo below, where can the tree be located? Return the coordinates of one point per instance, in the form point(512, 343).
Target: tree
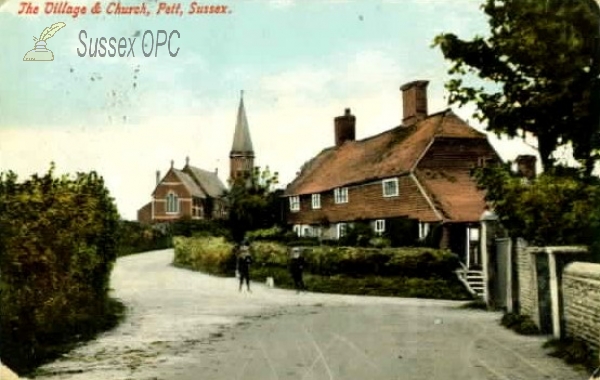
point(253, 202)
point(555, 209)
point(538, 74)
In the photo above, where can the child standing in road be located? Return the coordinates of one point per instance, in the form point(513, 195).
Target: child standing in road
point(243, 263)
point(296, 268)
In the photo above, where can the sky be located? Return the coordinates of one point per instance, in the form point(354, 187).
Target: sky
point(300, 63)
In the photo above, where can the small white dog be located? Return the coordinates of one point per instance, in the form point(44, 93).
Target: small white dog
point(270, 282)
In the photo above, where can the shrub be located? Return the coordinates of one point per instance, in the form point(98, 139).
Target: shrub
point(58, 243)
point(521, 324)
point(275, 233)
point(574, 352)
point(198, 228)
point(558, 208)
point(135, 237)
point(212, 255)
point(407, 272)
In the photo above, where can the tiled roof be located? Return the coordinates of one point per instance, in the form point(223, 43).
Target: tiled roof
point(208, 181)
point(189, 183)
point(387, 154)
point(454, 193)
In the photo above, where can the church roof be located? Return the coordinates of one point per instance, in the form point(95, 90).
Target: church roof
point(208, 181)
point(242, 143)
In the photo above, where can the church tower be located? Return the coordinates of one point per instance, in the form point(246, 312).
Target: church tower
point(241, 157)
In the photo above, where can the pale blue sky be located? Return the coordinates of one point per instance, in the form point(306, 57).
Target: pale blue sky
point(300, 63)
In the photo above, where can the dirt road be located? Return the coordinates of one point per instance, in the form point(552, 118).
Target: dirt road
point(187, 325)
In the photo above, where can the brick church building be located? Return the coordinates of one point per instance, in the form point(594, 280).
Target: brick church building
point(196, 193)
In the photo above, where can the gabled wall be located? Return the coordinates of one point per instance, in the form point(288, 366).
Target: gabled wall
point(171, 183)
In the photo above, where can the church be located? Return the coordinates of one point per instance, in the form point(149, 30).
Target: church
point(195, 193)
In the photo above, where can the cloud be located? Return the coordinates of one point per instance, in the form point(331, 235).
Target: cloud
point(290, 114)
point(282, 4)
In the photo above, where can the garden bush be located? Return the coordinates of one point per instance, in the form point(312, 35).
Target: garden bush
point(135, 237)
point(212, 255)
point(58, 244)
point(521, 324)
point(403, 272)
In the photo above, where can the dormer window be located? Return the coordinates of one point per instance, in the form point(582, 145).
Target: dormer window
point(295, 203)
point(340, 195)
point(390, 187)
point(316, 201)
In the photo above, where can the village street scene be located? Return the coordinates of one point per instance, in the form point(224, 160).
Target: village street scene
point(397, 199)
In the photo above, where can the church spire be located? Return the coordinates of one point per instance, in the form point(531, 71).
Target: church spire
point(242, 143)
point(241, 157)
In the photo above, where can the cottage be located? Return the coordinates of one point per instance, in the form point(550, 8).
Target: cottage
point(416, 175)
point(197, 193)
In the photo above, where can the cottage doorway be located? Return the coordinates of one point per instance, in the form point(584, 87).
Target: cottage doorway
point(473, 253)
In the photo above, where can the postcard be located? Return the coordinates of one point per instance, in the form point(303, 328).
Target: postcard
point(346, 104)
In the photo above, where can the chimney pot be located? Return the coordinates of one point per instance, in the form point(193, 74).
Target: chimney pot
point(345, 127)
point(172, 163)
point(414, 101)
point(187, 160)
point(157, 177)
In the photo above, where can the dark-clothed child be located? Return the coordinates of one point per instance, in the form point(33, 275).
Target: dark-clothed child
point(296, 268)
point(243, 265)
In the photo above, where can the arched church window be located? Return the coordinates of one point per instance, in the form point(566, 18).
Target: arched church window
point(172, 203)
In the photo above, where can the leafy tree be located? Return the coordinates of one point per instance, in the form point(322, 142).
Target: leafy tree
point(555, 209)
point(538, 73)
point(253, 202)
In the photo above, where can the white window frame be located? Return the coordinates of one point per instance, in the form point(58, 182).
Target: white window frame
point(316, 201)
point(172, 203)
point(424, 230)
point(295, 203)
point(342, 230)
point(473, 234)
point(379, 226)
point(384, 184)
point(340, 195)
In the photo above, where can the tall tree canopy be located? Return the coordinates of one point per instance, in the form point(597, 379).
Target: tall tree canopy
point(253, 202)
point(538, 74)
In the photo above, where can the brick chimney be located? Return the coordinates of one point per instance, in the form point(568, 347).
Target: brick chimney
point(414, 101)
point(345, 128)
point(526, 166)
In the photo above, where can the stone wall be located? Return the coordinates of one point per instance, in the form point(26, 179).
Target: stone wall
point(527, 282)
point(581, 302)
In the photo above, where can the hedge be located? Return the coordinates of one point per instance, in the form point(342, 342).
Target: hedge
point(357, 261)
point(212, 255)
point(407, 272)
point(58, 244)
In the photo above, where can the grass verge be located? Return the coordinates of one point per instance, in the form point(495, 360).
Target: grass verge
point(434, 288)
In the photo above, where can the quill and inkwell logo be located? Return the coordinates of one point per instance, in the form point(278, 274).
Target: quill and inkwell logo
point(40, 52)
